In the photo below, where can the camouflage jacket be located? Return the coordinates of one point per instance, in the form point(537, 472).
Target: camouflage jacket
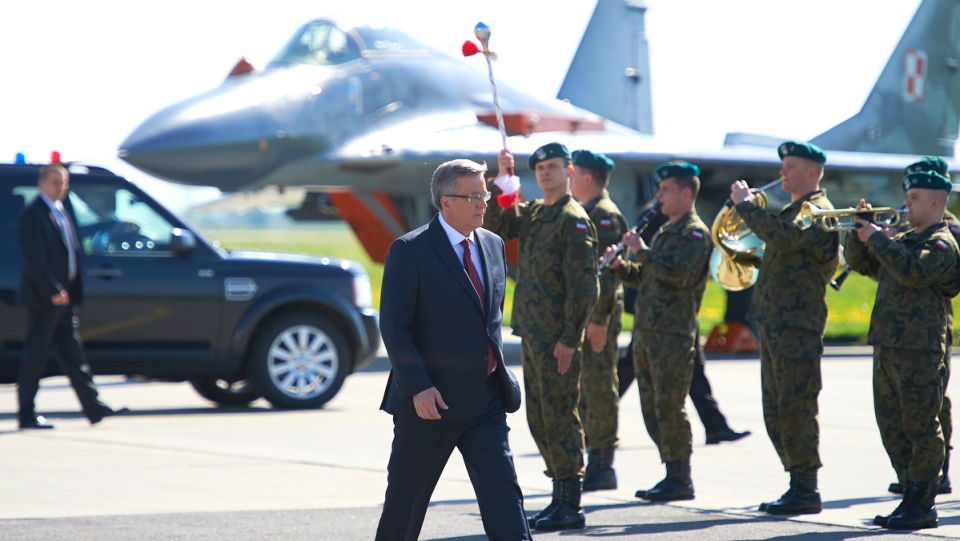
point(954, 226)
point(670, 276)
point(556, 269)
point(611, 225)
point(917, 273)
point(797, 265)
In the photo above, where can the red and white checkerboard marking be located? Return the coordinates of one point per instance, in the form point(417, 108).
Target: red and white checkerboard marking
point(914, 75)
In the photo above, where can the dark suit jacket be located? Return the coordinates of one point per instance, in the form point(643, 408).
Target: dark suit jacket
point(45, 266)
point(433, 324)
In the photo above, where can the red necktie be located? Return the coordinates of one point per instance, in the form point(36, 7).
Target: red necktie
point(478, 285)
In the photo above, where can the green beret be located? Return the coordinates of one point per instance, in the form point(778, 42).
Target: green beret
point(675, 169)
point(547, 151)
point(807, 151)
point(594, 160)
point(928, 163)
point(930, 180)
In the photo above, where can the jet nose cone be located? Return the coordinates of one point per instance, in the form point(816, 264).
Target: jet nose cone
point(210, 140)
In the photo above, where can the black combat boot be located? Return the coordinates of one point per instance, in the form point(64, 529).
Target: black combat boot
point(568, 515)
point(532, 521)
point(920, 510)
point(801, 499)
point(600, 474)
point(881, 520)
point(676, 486)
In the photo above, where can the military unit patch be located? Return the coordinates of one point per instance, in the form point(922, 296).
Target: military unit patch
point(582, 227)
point(605, 223)
point(940, 244)
point(697, 234)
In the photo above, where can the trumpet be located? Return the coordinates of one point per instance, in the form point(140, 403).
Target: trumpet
point(642, 222)
point(845, 219)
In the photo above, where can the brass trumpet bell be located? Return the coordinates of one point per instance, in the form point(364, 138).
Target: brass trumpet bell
point(844, 219)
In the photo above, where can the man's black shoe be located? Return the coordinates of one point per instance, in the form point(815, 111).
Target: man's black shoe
point(108, 413)
point(34, 422)
point(727, 434)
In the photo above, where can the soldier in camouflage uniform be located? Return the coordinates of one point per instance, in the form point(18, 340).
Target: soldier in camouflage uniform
point(934, 163)
point(670, 277)
point(556, 289)
point(790, 308)
point(917, 276)
point(599, 409)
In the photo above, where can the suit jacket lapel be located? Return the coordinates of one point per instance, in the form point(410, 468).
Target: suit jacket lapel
point(448, 256)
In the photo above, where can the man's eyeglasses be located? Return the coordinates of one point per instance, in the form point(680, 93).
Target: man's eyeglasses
point(472, 197)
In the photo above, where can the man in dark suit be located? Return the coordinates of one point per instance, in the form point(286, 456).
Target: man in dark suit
point(441, 310)
point(51, 288)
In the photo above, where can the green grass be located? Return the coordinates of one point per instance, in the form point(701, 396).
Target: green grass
point(849, 308)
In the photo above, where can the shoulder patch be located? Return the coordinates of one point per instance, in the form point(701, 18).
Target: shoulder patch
point(606, 223)
point(940, 244)
point(955, 230)
point(582, 227)
point(697, 234)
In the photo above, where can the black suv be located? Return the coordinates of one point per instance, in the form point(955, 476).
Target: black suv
point(160, 302)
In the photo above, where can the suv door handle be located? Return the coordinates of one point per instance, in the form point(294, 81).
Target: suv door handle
point(105, 272)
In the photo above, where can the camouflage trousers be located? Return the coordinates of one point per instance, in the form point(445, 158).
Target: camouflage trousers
point(907, 396)
point(664, 369)
point(552, 414)
point(790, 384)
point(599, 395)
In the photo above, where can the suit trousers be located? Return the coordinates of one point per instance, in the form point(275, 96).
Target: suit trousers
point(56, 328)
point(420, 451)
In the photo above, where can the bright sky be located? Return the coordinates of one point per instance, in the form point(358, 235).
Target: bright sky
point(78, 77)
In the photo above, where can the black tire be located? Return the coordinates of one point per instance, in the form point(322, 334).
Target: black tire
point(299, 360)
point(225, 392)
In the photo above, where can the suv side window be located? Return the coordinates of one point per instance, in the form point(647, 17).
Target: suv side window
point(116, 222)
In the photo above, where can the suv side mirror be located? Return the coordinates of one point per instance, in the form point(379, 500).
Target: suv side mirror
point(182, 242)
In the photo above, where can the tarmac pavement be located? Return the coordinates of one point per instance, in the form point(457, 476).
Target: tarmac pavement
point(179, 468)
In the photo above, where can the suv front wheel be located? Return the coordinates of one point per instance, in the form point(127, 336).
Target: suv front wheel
point(298, 360)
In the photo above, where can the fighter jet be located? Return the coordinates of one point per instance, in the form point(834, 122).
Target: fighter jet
point(365, 114)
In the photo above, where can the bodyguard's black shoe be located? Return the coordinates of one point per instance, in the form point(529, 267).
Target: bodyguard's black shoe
point(108, 413)
point(727, 434)
point(34, 422)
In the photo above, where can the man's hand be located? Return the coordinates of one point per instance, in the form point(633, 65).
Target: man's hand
point(633, 241)
point(610, 254)
point(426, 402)
point(597, 334)
point(505, 162)
point(740, 192)
point(564, 356)
point(866, 229)
point(60, 299)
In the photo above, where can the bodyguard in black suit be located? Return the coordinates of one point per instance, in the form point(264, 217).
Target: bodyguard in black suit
point(51, 288)
point(440, 316)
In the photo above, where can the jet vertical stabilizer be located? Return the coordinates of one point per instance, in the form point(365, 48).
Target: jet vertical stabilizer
point(915, 105)
point(610, 72)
